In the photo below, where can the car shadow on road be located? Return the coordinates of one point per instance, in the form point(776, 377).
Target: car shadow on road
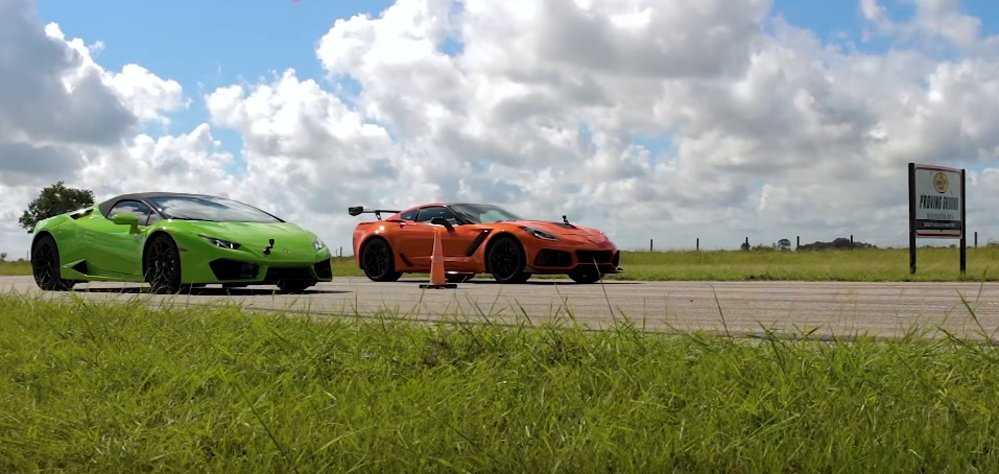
point(532, 282)
point(211, 291)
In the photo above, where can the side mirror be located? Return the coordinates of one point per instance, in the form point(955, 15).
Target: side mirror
point(442, 221)
point(127, 218)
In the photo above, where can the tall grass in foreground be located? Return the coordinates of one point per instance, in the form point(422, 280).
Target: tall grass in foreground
point(124, 388)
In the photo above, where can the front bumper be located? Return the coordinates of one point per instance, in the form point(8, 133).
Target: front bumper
point(605, 258)
point(203, 263)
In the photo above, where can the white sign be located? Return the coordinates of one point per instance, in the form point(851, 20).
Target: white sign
point(938, 201)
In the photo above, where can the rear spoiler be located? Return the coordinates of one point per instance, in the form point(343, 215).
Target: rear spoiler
point(356, 210)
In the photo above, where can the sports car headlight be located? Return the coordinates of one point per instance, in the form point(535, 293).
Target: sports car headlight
point(538, 233)
point(318, 244)
point(221, 243)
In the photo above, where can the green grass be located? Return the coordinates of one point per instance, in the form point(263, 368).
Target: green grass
point(934, 264)
point(15, 268)
point(97, 387)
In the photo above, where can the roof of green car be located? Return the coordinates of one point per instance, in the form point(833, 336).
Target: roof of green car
point(105, 207)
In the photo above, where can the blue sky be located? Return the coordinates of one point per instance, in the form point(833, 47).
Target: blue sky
point(750, 148)
point(205, 45)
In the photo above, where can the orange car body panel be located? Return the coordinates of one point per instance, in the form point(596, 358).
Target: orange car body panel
point(465, 246)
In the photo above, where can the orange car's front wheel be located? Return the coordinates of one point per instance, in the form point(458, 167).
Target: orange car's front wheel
point(377, 261)
point(506, 260)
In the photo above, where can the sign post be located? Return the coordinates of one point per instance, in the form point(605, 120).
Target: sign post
point(936, 207)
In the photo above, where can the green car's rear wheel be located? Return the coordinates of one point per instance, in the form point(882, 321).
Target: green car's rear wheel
point(162, 265)
point(45, 265)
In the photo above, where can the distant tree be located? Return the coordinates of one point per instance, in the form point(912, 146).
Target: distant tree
point(3, 256)
point(54, 200)
point(840, 243)
point(784, 244)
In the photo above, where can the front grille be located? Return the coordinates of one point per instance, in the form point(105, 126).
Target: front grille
point(553, 258)
point(595, 256)
point(323, 269)
point(275, 275)
point(225, 269)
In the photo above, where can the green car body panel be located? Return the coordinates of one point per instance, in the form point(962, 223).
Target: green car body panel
point(92, 247)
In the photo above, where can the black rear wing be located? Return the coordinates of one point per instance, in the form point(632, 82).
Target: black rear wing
point(357, 210)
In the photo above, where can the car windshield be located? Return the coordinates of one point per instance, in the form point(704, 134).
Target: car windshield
point(210, 208)
point(482, 213)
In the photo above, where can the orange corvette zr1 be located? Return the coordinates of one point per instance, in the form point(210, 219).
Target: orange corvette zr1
point(479, 238)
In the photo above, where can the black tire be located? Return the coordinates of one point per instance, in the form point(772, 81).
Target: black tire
point(458, 277)
point(505, 260)
point(585, 275)
point(294, 286)
point(378, 262)
point(45, 265)
point(161, 265)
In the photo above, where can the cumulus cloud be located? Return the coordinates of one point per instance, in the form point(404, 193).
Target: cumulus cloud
point(64, 117)
point(715, 119)
point(47, 91)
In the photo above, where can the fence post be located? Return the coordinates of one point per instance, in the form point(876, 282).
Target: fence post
point(797, 242)
point(851, 239)
point(976, 239)
point(650, 245)
point(697, 246)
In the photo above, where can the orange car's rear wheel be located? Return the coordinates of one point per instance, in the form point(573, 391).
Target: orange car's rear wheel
point(377, 261)
point(506, 260)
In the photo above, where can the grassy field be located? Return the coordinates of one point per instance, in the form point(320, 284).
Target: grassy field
point(935, 264)
point(126, 388)
point(15, 268)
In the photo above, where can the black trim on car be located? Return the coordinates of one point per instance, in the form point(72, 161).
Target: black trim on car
point(477, 242)
point(226, 269)
point(553, 258)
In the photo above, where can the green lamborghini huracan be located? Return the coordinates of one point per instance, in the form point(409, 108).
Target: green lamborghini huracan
point(175, 242)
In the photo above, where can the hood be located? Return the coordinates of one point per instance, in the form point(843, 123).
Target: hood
point(256, 234)
point(559, 228)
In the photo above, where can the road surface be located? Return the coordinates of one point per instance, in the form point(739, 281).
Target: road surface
point(838, 309)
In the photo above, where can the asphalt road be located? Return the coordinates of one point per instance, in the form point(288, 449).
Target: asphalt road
point(837, 309)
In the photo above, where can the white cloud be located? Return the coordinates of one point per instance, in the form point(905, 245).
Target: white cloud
point(668, 120)
point(143, 93)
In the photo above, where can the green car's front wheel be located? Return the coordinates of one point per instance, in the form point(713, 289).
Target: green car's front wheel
point(45, 265)
point(161, 265)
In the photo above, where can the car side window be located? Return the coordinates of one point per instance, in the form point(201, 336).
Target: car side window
point(140, 210)
point(409, 215)
point(429, 213)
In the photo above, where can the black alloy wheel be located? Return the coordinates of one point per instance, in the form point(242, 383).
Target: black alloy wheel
point(505, 260)
point(458, 277)
point(162, 265)
point(585, 275)
point(45, 265)
point(377, 261)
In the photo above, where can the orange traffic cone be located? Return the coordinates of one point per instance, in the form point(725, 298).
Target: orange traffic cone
point(437, 273)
